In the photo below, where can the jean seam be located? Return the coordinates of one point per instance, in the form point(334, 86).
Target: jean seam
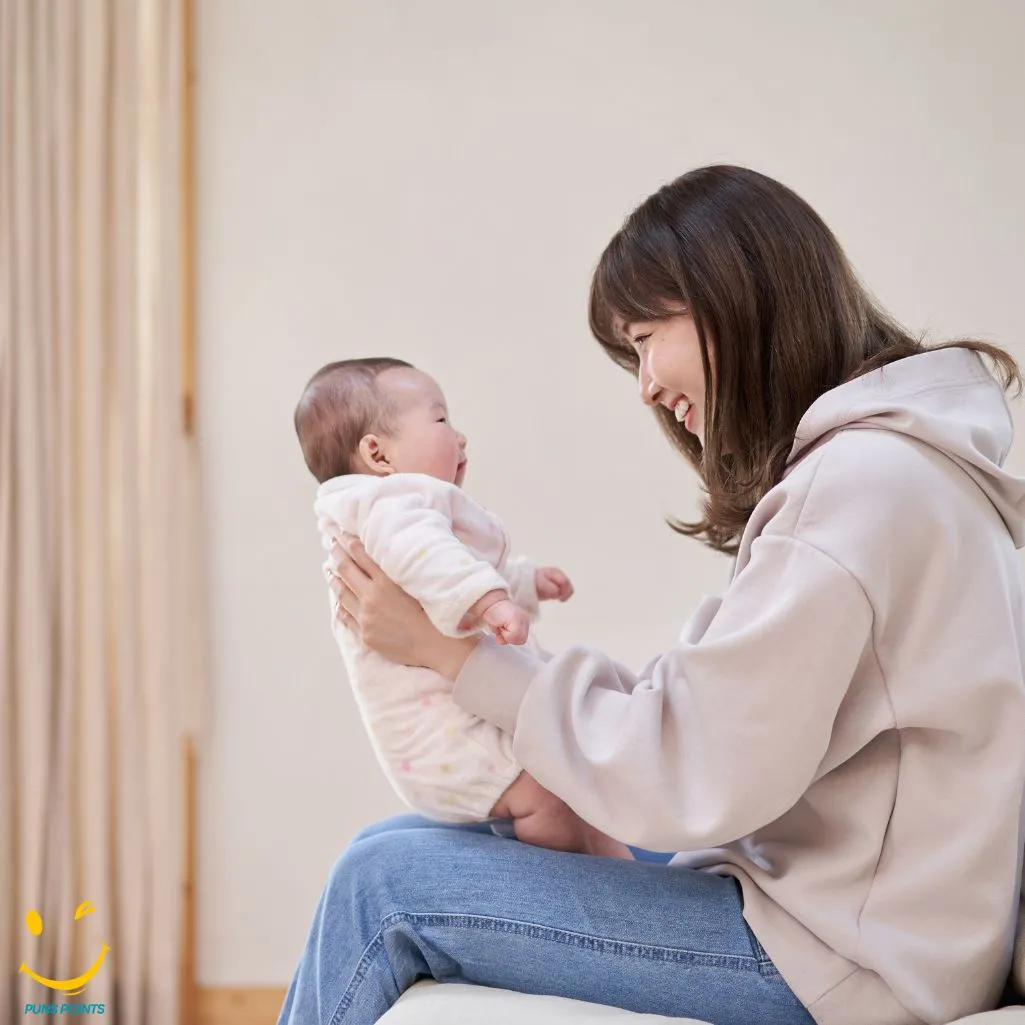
point(766, 966)
point(582, 940)
point(488, 923)
point(362, 967)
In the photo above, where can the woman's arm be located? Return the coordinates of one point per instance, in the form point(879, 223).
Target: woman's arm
point(714, 740)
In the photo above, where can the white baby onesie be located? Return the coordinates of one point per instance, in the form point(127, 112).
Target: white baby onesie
point(447, 551)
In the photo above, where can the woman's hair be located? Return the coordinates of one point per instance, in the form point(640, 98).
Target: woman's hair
point(768, 285)
point(341, 404)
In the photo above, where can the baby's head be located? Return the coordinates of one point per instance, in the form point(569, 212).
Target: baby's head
point(377, 416)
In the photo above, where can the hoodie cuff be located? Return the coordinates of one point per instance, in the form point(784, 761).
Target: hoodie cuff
point(494, 680)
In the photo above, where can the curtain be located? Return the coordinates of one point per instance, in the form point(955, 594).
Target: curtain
point(100, 603)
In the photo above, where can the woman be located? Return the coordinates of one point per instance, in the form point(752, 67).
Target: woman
point(835, 745)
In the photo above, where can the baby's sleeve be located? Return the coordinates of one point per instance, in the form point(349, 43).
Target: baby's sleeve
point(521, 574)
point(410, 537)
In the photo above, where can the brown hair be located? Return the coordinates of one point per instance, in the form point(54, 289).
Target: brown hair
point(766, 283)
point(340, 404)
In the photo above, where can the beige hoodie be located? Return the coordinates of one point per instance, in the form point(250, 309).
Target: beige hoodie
point(844, 731)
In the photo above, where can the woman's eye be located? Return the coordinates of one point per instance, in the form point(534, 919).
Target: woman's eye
point(640, 340)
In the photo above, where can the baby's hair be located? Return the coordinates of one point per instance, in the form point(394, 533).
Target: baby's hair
point(339, 406)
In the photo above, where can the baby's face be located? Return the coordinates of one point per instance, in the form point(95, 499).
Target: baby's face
point(424, 441)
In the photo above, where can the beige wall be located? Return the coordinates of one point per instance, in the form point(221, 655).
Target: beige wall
point(435, 181)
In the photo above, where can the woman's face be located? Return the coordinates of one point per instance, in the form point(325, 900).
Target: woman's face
point(670, 372)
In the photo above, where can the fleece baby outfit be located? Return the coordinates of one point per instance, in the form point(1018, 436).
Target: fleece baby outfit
point(447, 552)
point(844, 730)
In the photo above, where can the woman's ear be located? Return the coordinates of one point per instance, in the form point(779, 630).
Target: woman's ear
point(372, 452)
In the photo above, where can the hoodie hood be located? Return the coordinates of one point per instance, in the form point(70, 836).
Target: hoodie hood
point(945, 398)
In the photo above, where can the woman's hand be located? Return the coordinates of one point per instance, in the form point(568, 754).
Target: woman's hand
point(385, 618)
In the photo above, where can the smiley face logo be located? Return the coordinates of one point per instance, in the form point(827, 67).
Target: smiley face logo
point(72, 987)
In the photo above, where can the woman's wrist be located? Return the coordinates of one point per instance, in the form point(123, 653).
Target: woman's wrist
point(449, 654)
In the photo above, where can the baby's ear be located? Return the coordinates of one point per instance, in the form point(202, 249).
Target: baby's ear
point(371, 451)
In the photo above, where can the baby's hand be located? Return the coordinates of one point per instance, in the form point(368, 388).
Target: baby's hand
point(509, 623)
point(552, 583)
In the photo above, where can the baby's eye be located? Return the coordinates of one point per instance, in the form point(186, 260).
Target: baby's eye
point(442, 419)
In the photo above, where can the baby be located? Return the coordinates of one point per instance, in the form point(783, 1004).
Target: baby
point(376, 434)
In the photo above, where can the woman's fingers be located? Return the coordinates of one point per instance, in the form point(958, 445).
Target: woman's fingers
point(344, 617)
point(334, 582)
point(347, 570)
point(358, 554)
point(384, 617)
point(347, 604)
point(348, 607)
point(356, 582)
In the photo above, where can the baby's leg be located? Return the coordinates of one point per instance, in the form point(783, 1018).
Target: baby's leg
point(542, 819)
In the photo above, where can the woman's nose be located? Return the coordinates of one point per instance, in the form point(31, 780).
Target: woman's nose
point(649, 389)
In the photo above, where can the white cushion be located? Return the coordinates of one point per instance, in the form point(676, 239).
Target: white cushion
point(428, 1003)
point(1005, 1016)
point(452, 1003)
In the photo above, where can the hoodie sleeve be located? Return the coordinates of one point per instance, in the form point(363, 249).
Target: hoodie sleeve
point(412, 541)
point(713, 740)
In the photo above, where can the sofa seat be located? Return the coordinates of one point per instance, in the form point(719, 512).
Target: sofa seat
point(431, 1003)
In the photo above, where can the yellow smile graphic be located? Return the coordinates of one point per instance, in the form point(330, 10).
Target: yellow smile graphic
point(74, 986)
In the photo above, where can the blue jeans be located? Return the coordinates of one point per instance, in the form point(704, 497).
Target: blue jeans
point(413, 899)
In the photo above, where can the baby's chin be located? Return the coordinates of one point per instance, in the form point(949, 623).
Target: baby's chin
point(453, 478)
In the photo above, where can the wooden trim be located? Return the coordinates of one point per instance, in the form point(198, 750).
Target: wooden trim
point(188, 216)
point(188, 996)
point(257, 1005)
